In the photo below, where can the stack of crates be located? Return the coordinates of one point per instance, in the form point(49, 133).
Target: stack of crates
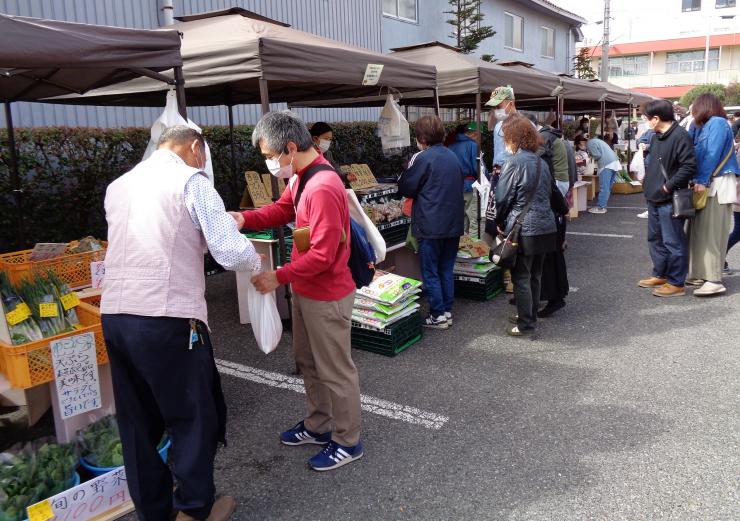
point(395, 232)
point(481, 288)
point(390, 341)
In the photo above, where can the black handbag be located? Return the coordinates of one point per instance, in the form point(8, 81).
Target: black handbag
point(504, 253)
point(682, 198)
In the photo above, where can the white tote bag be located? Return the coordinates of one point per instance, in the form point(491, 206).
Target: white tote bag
point(638, 165)
point(264, 317)
point(373, 235)
point(393, 128)
point(169, 118)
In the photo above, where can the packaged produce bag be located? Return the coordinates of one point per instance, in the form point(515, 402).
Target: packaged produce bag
point(389, 288)
point(171, 117)
point(393, 128)
point(265, 318)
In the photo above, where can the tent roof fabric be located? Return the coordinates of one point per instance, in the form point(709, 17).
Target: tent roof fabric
point(225, 56)
point(41, 58)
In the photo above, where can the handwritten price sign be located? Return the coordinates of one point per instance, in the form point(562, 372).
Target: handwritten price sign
point(76, 374)
point(97, 270)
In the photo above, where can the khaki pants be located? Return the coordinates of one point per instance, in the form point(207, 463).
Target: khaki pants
point(322, 350)
point(707, 235)
point(471, 214)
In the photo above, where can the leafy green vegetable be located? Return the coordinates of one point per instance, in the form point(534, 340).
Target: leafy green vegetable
point(26, 330)
point(100, 443)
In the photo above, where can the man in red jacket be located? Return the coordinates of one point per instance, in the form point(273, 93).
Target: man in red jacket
point(323, 289)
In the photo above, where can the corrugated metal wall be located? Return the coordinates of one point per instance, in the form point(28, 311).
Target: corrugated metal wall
point(357, 22)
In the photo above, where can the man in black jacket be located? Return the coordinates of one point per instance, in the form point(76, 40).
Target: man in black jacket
point(672, 165)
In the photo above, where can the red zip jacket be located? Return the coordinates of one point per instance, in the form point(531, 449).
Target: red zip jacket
point(321, 273)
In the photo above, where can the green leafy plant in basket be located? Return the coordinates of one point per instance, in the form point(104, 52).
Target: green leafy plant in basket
point(100, 443)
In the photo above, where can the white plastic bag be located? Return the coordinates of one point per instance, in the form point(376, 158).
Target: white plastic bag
point(169, 118)
point(264, 317)
point(373, 235)
point(393, 128)
point(638, 165)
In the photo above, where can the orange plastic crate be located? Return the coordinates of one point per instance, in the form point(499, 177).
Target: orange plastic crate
point(72, 268)
point(29, 365)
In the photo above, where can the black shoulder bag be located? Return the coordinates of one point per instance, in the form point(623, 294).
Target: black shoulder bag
point(683, 198)
point(504, 253)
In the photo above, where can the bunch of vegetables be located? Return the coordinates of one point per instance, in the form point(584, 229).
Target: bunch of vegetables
point(32, 476)
point(100, 443)
point(61, 288)
point(40, 291)
point(27, 330)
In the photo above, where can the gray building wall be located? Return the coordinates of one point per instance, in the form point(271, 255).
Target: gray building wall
point(357, 22)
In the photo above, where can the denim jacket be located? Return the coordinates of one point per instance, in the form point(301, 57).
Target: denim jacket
point(711, 142)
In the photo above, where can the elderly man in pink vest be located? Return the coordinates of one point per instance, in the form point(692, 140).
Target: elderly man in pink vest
point(161, 216)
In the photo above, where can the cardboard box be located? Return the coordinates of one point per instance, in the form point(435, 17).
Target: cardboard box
point(627, 188)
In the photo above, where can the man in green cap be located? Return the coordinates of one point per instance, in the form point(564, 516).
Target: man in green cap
point(503, 104)
point(465, 148)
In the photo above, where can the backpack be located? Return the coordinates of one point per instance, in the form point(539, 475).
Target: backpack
point(361, 254)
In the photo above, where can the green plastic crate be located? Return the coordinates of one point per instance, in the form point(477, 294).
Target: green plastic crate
point(479, 288)
point(390, 341)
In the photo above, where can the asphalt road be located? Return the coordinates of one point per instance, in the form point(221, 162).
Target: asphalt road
point(625, 406)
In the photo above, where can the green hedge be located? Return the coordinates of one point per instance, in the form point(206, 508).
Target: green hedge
point(65, 171)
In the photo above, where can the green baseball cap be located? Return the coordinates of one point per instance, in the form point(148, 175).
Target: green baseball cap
point(472, 127)
point(499, 95)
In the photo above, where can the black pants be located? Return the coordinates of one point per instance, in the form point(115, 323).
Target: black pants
point(159, 384)
point(526, 277)
point(555, 285)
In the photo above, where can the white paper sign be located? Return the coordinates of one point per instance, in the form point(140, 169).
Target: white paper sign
point(93, 498)
point(97, 270)
point(372, 74)
point(76, 374)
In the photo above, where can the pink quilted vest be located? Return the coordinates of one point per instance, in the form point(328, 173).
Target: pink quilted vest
point(154, 262)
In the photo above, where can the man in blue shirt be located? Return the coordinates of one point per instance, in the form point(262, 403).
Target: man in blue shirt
point(503, 104)
point(465, 148)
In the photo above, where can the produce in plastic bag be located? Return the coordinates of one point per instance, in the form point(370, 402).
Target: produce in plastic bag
point(37, 294)
point(638, 165)
point(393, 128)
point(21, 324)
point(264, 317)
point(389, 288)
point(62, 290)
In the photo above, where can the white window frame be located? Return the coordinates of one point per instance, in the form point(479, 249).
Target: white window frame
point(618, 62)
point(521, 32)
point(402, 18)
point(548, 30)
point(726, 6)
point(691, 9)
point(699, 60)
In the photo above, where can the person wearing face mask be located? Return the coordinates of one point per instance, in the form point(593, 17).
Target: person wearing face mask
point(503, 104)
point(322, 136)
point(322, 284)
point(160, 216)
point(434, 179)
point(671, 167)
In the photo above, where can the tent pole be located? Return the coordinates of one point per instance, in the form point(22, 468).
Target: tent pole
point(478, 140)
point(265, 102)
point(629, 141)
point(603, 118)
point(180, 91)
point(436, 101)
point(15, 178)
point(232, 141)
point(560, 109)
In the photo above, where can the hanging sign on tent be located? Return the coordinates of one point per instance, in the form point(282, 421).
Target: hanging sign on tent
point(76, 374)
point(372, 74)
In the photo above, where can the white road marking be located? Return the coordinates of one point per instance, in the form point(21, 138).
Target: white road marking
point(602, 235)
point(370, 404)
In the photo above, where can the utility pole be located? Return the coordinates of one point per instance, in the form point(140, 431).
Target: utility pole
point(168, 12)
point(604, 76)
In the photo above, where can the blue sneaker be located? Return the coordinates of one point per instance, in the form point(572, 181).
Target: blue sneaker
point(300, 435)
point(335, 455)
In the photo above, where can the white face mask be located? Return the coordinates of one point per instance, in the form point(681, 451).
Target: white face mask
point(500, 114)
point(281, 172)
point(324, 145)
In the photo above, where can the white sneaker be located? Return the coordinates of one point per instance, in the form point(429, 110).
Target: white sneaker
point(448, 316)
point(643, 215)
point(709, 289)
point(596, 209)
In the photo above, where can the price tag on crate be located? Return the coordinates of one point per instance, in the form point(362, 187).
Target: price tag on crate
point(40, 511)
point(97, 270)
point(48, 310)
point(70, 300)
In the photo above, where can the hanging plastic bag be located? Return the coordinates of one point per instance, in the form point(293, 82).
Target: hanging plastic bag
point(169, 118)
point(264, 317)
point(638, 165)
point(393, 128)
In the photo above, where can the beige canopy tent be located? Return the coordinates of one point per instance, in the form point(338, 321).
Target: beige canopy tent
point(41, 58)
point(230, 57)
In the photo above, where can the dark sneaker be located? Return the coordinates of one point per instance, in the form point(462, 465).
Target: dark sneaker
point(300, 435)
point(222, 510)
point(439, 322)
point(335, 455)
point(515, 331)
point(551, 307)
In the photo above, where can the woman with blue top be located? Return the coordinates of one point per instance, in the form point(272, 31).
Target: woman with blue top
point(465, 148)
point(609, 165)
point(717, 167)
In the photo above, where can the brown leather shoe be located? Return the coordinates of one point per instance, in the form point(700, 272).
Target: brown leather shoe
point(221, 510)
point(669, 290)
point(652, 282)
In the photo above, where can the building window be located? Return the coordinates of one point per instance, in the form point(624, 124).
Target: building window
point(513, 29)
point(690, 5)
point(690, 61)
point(548, 42)
point(629, 65)
point(721, 4)
point(403, 9)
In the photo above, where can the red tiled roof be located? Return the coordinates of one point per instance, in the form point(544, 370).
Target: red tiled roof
point(677, 44)
point(665, 92)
